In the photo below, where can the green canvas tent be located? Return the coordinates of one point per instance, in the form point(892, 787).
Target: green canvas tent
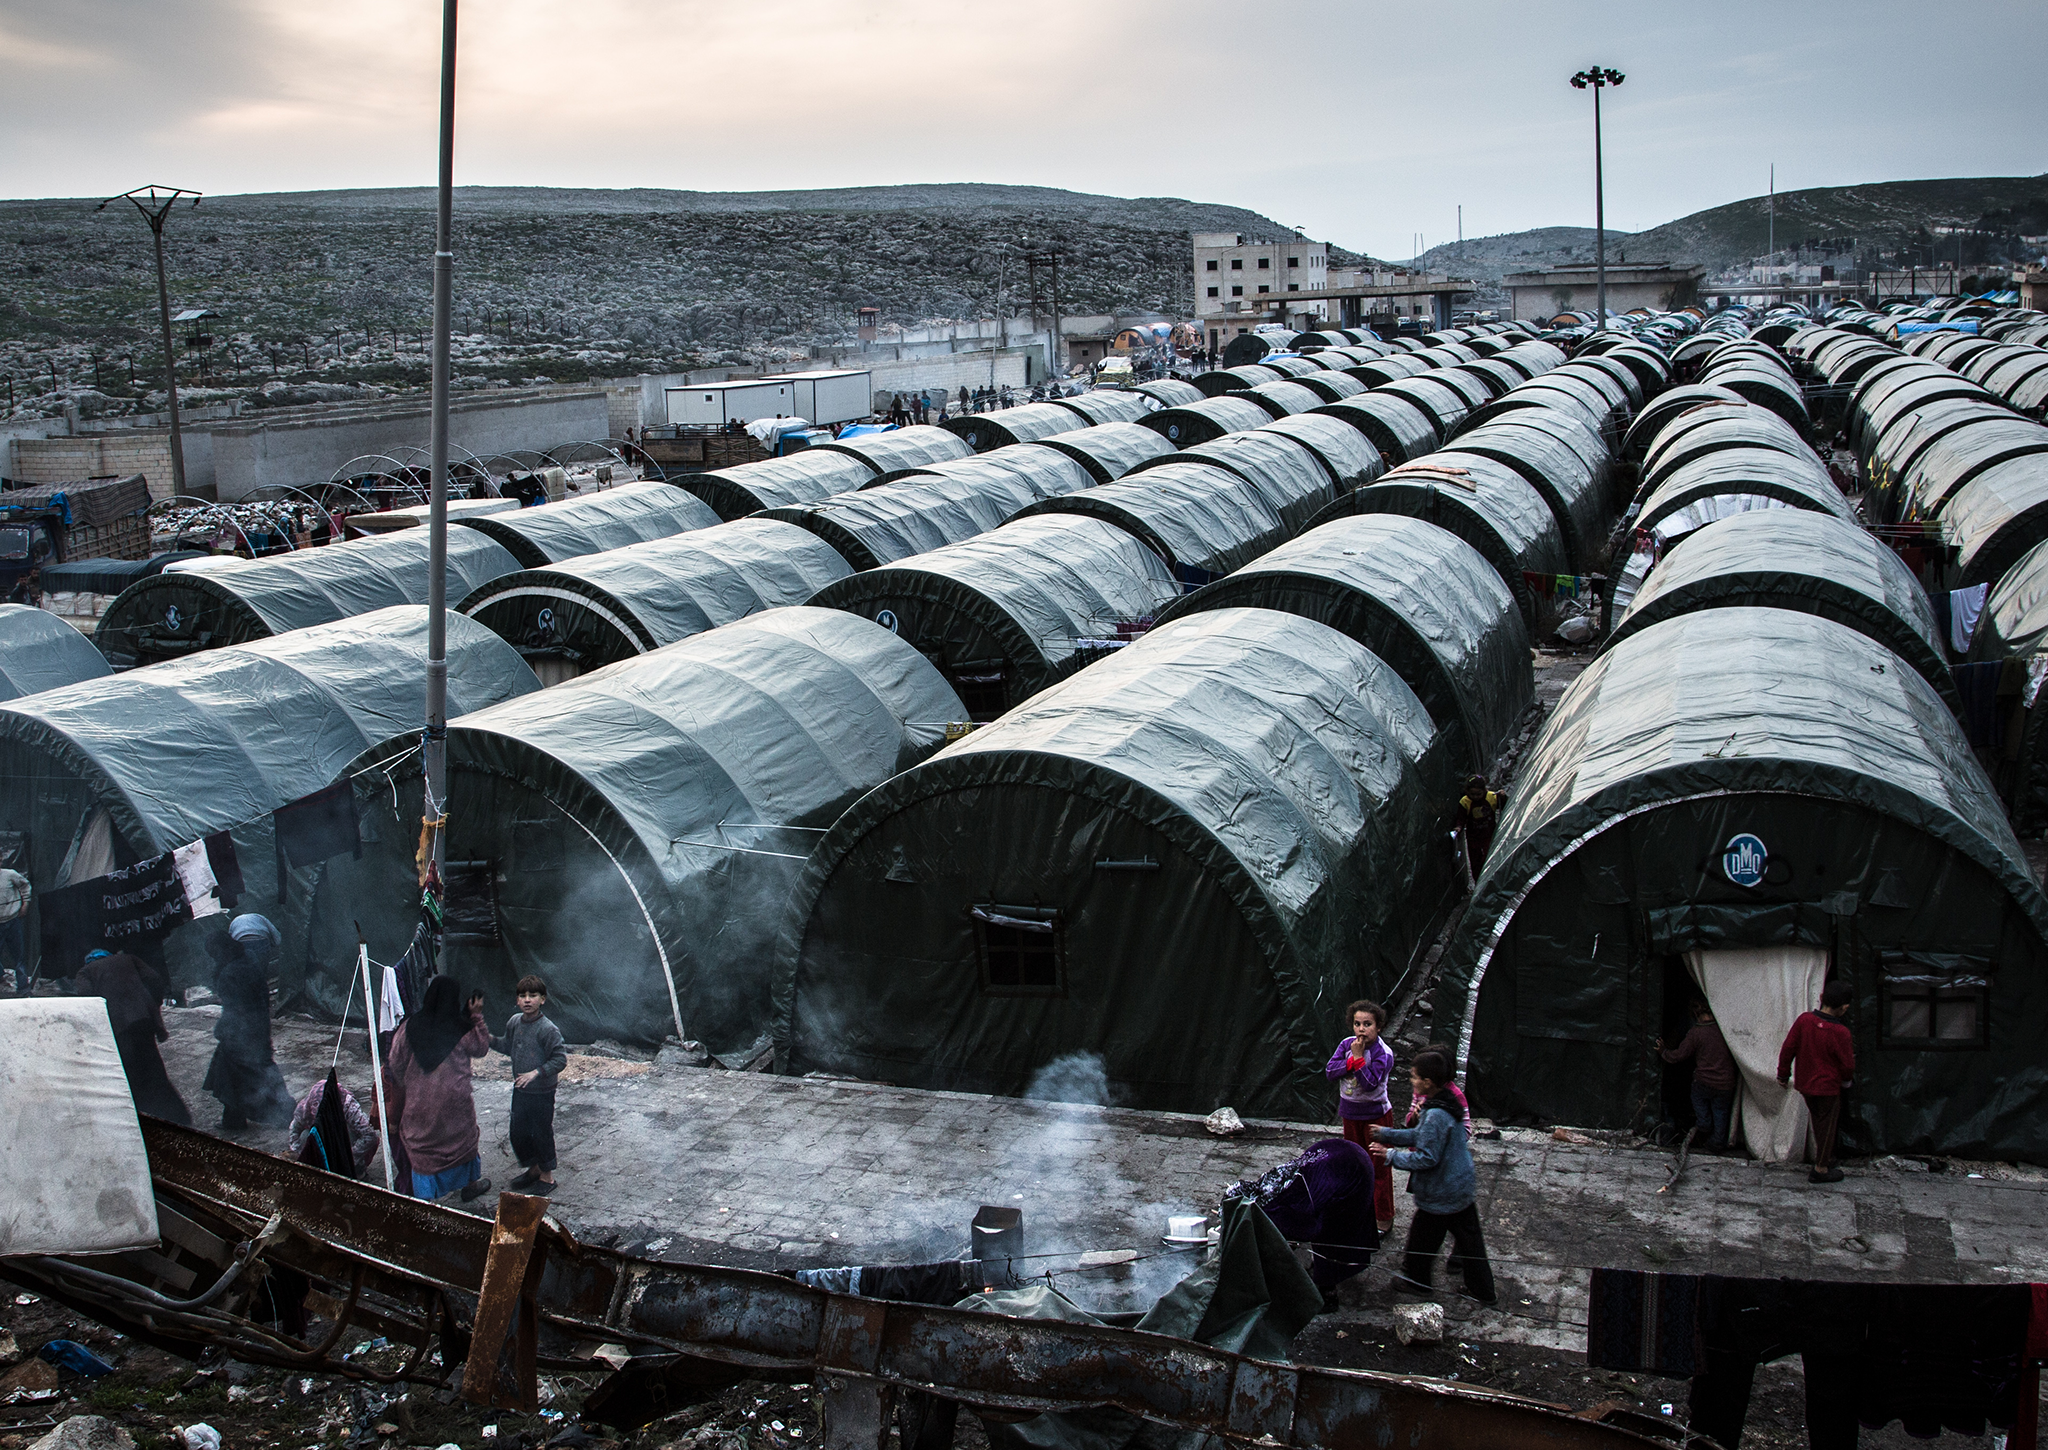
point(1280, 467)
point(1185, 860)
point(1286, 396)
point(801, 478)
point(1204, 521)
point(1577, 496)
point(1399, 429)
point(584, 614)
point(40, 651)
point(1664, 409)
point(162, 756)
point(1815, 563)
point(631, 513)
point(1737, 804)
point(1005, 614)
point(1420, 598)
point(633, 835)
point(2013, 629)
point(1700, 431)
point(208, 603)
point(1106, 405)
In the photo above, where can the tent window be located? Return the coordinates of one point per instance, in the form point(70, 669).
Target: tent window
point(1020, 950)
point(470, 908)
point(1936, 1011)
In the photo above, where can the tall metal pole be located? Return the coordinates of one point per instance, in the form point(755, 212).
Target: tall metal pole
point(155, 203)
point(1771, 238)
point(434, 750)
point(1598, 78)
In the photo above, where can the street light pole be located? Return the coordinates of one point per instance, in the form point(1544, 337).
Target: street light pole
point(1599, 78)
point(434, 744)
point(155, 203)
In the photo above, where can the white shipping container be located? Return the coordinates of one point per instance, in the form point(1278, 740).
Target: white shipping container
point(837, 395)
point(713, 405)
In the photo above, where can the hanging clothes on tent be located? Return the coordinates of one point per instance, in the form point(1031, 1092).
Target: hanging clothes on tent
point(1965, 607)
point(1756, 994)
point(390, 1002)
point(195, 870)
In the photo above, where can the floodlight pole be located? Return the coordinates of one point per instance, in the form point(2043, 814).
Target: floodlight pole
point(1598, 78)
point(434, 745)
point(155, 203)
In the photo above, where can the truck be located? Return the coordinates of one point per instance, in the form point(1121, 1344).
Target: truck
point(52, 523)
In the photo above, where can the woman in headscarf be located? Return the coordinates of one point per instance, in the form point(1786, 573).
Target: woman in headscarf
point(243, 1074)
point(134, 991)
point(429, 1090)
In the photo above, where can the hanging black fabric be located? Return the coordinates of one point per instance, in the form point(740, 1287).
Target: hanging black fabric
point(1643, 1322)
point(315, 827)
point(122, 911)
point(227, 870)
point(329, 1146)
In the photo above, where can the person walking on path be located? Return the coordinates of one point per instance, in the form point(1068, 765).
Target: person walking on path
point(1821, 1047)
point(243, 1074)
point(535, 1046)
point(1442, 1179)
point(134, 993)
point(1713, 1075)
point(1361, 1067)
point(430, 1095)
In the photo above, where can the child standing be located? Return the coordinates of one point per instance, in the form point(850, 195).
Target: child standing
point(1361, 1066)
point(1821, 1045)
point(535, 1046)
point(1713, 1074)
point(1443, 1180)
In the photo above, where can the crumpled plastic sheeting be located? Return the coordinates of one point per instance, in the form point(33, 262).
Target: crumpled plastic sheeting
point(1419, 597)
point(1198, 516)
point(629, 514)
point(625, 601)
point(1278, 755)
point(40, 651)
point(1029, 589)
point(1795, 559)
point(1757, 472)
point(768, 483)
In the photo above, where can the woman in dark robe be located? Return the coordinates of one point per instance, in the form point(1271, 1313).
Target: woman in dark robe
point(427, 1084)
point(244, 1075)
point(134, 992)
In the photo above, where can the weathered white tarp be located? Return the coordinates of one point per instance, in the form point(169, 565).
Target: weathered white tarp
point(1756, 995)
point(74, 1176)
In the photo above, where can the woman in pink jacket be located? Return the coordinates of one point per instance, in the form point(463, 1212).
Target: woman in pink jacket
point(429, 1091)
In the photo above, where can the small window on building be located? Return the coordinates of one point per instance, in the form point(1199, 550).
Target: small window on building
point(1237, 264)
point(1021, 950)
point(1294, 261)
point(1211, 264)
point(1265, 289)
point(1212, 291)
point(1237, 291)
point(1293, 286)
point(1264, 263)
point(1925, 1007)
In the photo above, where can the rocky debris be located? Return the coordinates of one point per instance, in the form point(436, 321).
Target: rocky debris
point(87, 1432)
point(1419, 1323)
point(1224, 1123)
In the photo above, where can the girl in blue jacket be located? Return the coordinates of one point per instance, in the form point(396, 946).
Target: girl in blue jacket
point(1442, 1178)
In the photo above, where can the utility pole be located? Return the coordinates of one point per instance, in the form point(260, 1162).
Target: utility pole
point(1771, 236)
point(155, 203)
point(434, 742)
point(1599, 78)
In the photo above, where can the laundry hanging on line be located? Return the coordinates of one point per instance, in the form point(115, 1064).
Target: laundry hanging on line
point(1563, 586)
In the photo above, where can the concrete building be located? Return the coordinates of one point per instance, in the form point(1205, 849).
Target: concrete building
point(1241, 282)
point(1662, 286)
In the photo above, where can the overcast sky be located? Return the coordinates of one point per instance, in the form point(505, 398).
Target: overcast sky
point(1362, 122)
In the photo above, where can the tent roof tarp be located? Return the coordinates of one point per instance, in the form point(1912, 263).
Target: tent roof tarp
point(1736, 480)
point(1420, 598)
point(1216, 383)
point(1170, 392)
point(632, 513)
point(1345, 452)
point(2014, 624)
point(607, 607)
point(896, 448)
point(1110, 450)
point(1573, 488)
point(1700, 432)
point(1203, 520)
point(1105, 405)
point(1955, 458)
point(1281, 398)
point(800, 478)
point(983, 431)
point(1280, 467)
point(1815, 563)
point(1210, 418)
point(1997, 516)
point(1399, 429)
point(41, 651)
point(1666, 406)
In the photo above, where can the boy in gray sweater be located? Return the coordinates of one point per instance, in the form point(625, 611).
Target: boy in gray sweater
point(535, 1046)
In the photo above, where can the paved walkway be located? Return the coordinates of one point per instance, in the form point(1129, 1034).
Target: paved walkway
point(756, 1170)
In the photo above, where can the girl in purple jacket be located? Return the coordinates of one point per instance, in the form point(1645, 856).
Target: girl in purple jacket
point(1360, 1067)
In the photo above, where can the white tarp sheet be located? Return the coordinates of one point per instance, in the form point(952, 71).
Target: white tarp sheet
point(74, 1177)
point(1756, 994)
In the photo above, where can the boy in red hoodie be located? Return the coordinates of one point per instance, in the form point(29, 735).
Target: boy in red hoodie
point(1820, 1044)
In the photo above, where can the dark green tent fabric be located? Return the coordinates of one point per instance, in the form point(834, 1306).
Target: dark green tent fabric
point(1208, 419)
point(1292, 479)
point(1666, 407)
point(983, 431)
point(1346, 454)
point(1702, 431)
point(1952, 461)
point(632, 513)
point(1204, 521)
point(1235, 379)
point(1487, 504)
point(1106, 405)
point(643, 825)
point(911, 447)
point(1769, 386)
point(1002, 614)
point(1284, 397)
point(1576, 493)
point(1815, 563)
point(800, 478)
point(1736, 480)
point(1495, 377)
point(40, 651)
point(1110, 450)
point(1170, 392)
point(1880, 835)
point(603, 608)
point(1331, 386)
point(2000, 514)
point(1442, 404)
point(1208, 844)
point(1389, 369)
point(1894, 453)
point(926, 511)
point(1399, 429)
point(229, 602)
point(176, 752)
point(1420, 598)
point(1573, 394)
point(2014, 628)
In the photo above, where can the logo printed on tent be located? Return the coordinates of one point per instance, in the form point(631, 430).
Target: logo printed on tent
point(1744, 860)
point(887, 619)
